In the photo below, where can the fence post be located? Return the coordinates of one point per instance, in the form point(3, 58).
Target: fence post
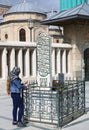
point(58, 108)
point(84, 96)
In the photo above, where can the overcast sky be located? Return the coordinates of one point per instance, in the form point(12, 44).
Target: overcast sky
point(45, 4)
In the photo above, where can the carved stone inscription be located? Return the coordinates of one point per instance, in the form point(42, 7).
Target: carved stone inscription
point(43, 54)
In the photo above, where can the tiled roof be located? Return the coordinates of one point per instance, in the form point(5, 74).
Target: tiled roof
point(81, 11)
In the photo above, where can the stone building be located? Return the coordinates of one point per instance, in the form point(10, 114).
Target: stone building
point(19, 28)
point(75, 22)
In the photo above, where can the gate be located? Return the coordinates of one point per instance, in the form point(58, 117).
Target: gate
point(59, 106)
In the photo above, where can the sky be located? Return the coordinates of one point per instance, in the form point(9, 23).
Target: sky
point(45, 4)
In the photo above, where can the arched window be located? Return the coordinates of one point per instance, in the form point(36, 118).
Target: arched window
point(57, 41)
point(22, 35)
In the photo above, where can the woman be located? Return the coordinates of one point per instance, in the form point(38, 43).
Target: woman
point(15, 89)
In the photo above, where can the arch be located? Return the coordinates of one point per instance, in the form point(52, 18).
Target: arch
point(22, 35)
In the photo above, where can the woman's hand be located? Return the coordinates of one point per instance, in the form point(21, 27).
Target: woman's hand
point(26, 83)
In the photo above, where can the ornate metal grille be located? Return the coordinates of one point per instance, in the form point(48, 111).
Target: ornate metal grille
point(59, 107)
point(71, 102)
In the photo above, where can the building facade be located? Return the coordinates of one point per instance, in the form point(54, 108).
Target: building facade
point(75, 23)
point(19, 28)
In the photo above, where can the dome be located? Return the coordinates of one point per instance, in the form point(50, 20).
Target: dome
point(25, 7)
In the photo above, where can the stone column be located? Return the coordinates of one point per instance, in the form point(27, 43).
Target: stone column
point(58, 61)
point(12, 59)
point(27, 63)
point(83, 69)
point(34, 63)
point(4, 63)
point(69, 62)
point(20, 62)
point(64, 62)
point(53, 62)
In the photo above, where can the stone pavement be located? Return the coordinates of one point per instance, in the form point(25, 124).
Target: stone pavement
point(6, 118)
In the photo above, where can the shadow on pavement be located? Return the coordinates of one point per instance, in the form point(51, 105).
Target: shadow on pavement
point(77, 122)
point(6, 118)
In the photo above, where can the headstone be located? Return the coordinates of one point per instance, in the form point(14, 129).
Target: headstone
point(43, 60)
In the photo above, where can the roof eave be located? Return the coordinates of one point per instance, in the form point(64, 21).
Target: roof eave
point(64, 19)
point(6, 14)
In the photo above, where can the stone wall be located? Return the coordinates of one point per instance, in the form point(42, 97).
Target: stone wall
point(3, 9)
point(78, 36)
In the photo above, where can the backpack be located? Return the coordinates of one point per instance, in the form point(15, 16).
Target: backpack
point(8, 85)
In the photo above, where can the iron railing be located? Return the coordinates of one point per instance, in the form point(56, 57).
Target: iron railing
point(71, 102)
point(59, 106)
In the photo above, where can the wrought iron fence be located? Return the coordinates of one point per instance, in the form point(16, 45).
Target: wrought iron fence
point(59, 106)
point(71, 102)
